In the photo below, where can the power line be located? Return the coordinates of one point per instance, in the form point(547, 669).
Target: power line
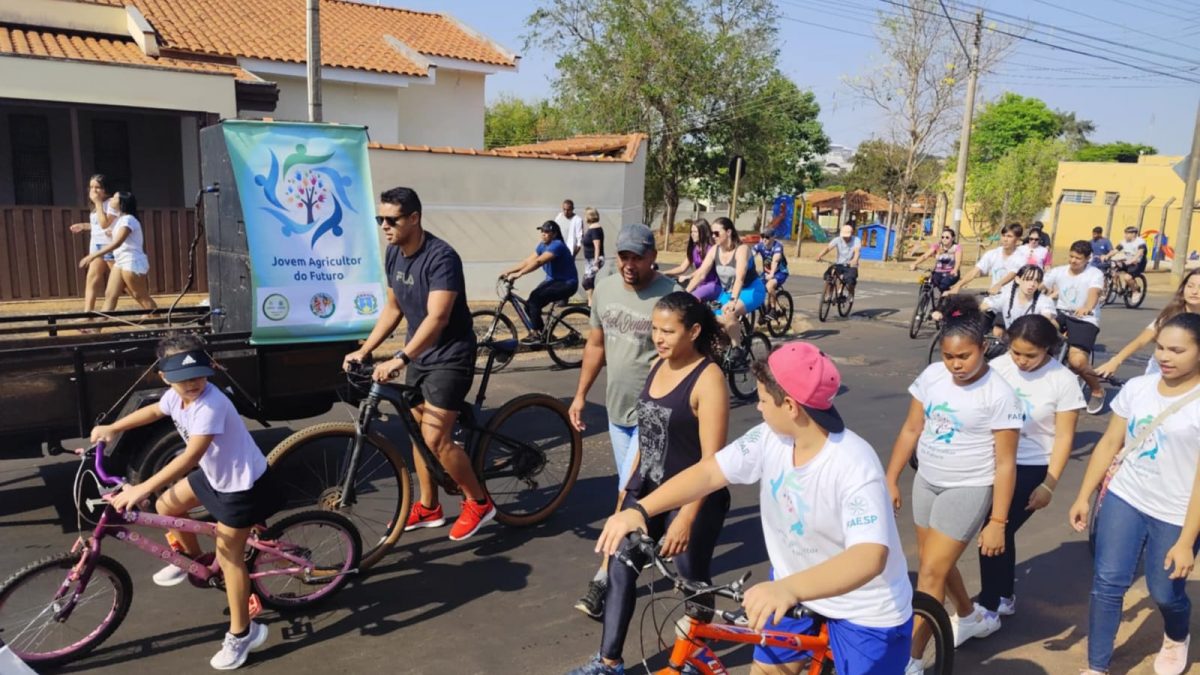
point(1151, 8)
point(1113, 23)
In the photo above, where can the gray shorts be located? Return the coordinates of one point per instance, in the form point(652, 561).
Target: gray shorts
point(957, 512)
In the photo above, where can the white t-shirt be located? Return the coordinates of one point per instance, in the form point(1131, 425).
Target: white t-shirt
point(1043, 394)
point(133, 248)
point(1073, 289)
point(1152, 367)
point(997, 265)
point(572, 229)
point(814, 512)
point(1156, 478)
point(1132, 250)
point(956, 447)
point(1033, 256)
point(99, 235)
point(1019, 307)
point(845, 251)
point(233, 460)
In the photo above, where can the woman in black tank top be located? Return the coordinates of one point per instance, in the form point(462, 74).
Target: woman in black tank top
point(683, 417)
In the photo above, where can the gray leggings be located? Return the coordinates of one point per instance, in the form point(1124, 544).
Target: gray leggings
point(957, 512)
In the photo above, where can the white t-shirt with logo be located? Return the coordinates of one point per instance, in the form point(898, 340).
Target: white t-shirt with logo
point(997, 265)
point(1010, 309)
point(1073, 289)
point(1043, 393)
point(1156, 478)
point(956, 447)
point(1132, 250)
point(233, 460)
point(814, 512)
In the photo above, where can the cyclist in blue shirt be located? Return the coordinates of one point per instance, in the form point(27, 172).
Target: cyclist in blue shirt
point(774, 263)
point(1101, 247)
point(562, 279)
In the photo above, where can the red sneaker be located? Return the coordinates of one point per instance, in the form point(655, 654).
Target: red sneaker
point(420, 516)
point(472, 517)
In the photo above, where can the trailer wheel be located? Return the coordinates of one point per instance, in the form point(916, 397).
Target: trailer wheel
point(161, 448)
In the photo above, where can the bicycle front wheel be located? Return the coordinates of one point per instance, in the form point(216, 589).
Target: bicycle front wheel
point(1110, 290)
point(34, 617)
point(567, 335)
point(1135, 293)
point(528, 458)
point(491, 326)
point(779, 319)
point(327, 543)
point(741, 380)
point(311, 465)
point(938, 656)
point(826, 301)
point(918, 317)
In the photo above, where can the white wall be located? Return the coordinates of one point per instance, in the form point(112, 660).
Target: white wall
point(489, 207)
point(446, 113)
point(341, 102)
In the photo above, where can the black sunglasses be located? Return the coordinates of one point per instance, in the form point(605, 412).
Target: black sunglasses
point(390, 220)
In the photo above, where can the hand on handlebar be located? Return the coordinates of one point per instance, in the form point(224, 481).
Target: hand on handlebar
point(127, 497)
point(388, 370)
point(103, 433)
point(770, 600)
point(354, 357)
point(619, 526)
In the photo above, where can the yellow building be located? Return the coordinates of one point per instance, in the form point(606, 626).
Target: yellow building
point(1147, 194)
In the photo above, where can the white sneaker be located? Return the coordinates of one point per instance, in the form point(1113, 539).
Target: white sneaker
point(170, 576)
point(914, 667)
point(1007, 606)
point(1172, 659)
point(980, 624)
point(235, 650)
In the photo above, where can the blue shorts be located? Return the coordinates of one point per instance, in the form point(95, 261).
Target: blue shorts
point(779, 278)
point(752, 296)
point(107, 256)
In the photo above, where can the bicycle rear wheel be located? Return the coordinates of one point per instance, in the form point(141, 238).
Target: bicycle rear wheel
point(826, 301)
point(918, 317)
point(32, 600)
point(326, 540)
point(779, 319)
point(845, 300)
point(567, 335)
point(1135, 293)
point(491, 326)
point(528, 458)
point(1110, 290)
point(939, 650)
point(311, 464)
point(741, 380)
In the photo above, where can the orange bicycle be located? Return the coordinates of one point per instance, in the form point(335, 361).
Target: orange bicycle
point(691, 653)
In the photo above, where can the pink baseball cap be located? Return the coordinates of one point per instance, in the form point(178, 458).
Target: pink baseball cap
point(810, 378)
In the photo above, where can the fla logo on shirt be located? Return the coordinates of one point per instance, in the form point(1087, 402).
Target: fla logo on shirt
point(940, 422)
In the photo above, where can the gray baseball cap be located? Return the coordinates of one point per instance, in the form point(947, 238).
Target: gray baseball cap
point(636, 238)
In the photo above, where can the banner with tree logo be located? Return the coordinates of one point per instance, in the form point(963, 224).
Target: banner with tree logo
point(307, 201)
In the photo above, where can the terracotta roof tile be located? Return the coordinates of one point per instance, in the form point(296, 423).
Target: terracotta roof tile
point(21, 41)
point(353, 33)
point(629, 145)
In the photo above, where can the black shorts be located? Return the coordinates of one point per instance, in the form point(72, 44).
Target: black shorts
point(239, 509)
point(442, 386)
point(1132, 268)
point(1080, 333)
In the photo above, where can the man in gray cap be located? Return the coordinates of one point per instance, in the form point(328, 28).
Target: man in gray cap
point(620, 340)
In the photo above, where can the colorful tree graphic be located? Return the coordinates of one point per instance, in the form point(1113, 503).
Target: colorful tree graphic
point(307, 189)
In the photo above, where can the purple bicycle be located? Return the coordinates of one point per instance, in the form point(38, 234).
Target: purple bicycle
point(60, 608)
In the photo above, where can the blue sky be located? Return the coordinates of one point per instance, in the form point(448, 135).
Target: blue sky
point(824, 41)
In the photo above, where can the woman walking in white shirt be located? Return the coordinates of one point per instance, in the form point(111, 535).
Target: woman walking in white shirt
point(963, 422)
point(131, 265)
point(1152, 504)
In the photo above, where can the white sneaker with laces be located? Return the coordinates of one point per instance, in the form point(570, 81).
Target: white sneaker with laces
point(170, 576)
point(914, 667)
point(980, 624)
point(1007, 606)
point(235, 650)
point(1172, 658)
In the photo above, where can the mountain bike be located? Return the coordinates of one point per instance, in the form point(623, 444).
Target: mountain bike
point(1133, 293)
point(736, 359)
point(927, 301)
point(778, 318)
point(691, 652)
point(526, 455)
point(59, 608)
point(835, 292)
point(564, 338)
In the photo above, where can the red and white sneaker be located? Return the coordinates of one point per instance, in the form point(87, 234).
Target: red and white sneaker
point(472, 517)
point(420, 516)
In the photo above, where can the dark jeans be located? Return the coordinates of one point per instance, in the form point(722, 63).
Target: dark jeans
point(546, 293)
point(693, 564)
point(998, 573)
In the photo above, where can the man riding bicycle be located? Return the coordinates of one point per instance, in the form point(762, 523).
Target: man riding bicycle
point(427, 286)
point(849, 250)
point(1129, 256)
point(774, 263)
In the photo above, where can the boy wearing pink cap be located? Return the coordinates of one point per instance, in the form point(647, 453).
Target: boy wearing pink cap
point(826, 516)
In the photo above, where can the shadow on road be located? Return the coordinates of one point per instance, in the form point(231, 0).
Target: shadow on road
point(873, 314)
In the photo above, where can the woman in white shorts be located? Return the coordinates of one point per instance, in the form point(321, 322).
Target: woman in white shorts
point(963, 422)
point(99, 220)
point(131, 266)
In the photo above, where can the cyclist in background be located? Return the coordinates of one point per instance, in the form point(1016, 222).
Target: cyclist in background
point(1129, 256)
point(700, 240)
point(1035, 251)
point(743, 290)
point(947, 260)
point(561, 282)
point(849, 250)
point(1101, 247)
point(999, 264)
point(774, 264)
point(1077, 288)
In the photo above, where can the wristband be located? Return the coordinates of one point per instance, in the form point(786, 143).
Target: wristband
point(1002, 521)
point(404, 358)
point(1046, 487)
point(640, 509)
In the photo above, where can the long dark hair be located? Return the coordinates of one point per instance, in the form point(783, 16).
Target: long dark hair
point(1035, 329)
point(101, 180)
point(127, 203)
point(1177, 305)
point(963, 318)
point(705, 232)
point(692, 311)
point(1025, 271)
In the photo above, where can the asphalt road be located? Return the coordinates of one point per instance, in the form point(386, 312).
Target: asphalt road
point(501, 602)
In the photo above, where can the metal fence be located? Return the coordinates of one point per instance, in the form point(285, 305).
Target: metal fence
point(39, 255)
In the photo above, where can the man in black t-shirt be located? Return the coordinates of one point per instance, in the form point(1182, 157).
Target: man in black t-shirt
point(426, 286)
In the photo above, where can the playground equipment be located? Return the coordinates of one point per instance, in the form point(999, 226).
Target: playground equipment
point(1159, 247)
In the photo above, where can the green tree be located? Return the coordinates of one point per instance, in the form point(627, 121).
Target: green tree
point(1008, 122)
point(1017, 187)
point(512, 121)
point(1075, 131)
point(879, 169)
point(1119, 151)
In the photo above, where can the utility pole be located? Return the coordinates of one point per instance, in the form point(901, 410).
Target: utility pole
point(737, 166)
point(314, 61)
point(1185, 210)
point(964, 144)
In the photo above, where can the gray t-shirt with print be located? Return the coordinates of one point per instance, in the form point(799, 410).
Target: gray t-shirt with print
point(625, 316)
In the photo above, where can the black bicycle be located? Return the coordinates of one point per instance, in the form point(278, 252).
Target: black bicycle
point(564, 338)
point(526, 454)
point(737, 359)
point(835, 292)
point(778, 317)
point(1133, 293)
point(927, 300)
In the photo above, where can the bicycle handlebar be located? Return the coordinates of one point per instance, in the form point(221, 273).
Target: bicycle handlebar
point(641, 541)
point(98, 451)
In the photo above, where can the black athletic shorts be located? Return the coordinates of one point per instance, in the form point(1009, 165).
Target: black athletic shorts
point(1080, 333)
point(239, 509)
point(442, 386)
